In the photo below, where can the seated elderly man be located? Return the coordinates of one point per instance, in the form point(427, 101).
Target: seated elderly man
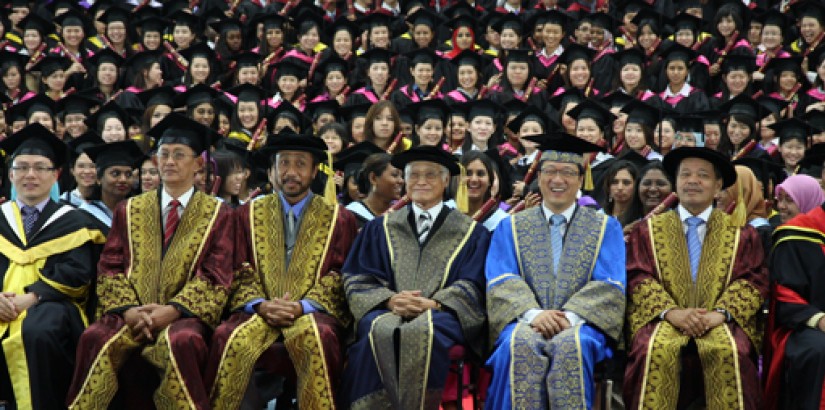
point(414, 284)
point(696, 281)
point(555, 290)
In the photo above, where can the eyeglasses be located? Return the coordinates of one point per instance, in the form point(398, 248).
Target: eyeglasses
point(427, 176)
point(38, 169)
point(565, 173)
point(177, 156)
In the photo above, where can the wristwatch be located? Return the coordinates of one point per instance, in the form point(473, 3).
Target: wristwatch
point(728, 317)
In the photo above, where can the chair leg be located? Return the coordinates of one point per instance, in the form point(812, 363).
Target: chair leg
point(608, 394)
point(460, 397)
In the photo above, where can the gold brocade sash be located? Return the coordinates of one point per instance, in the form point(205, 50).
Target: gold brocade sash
point(531, 234)
point(155, 276)
point(428, 268)
point(311, 246)
point(673, 263)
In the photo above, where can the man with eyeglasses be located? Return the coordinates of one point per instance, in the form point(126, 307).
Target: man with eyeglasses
point(288, 306)
point(115, 163)
point(555, 289)
point(414, 281)
point(47, 256)
point(163, 280)
point(696, 282)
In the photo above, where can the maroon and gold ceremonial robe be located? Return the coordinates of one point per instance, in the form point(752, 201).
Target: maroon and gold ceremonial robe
point(194, 274)
point(245, 342)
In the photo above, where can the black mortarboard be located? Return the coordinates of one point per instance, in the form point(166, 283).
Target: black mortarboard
point(640, 112)
point(483, 107)
point(223, 105)
point(377, 55)
point(76, 104)
point(246, 59)
point(467, 57)
point(570, 95)
point(422, 55)
point(198, 50)
point(33, 21)
point(89, 138)
point(182, 18)
point(318, 108)
point(686, 21)
point(426, 17)
point(37, 103)
point(742, 105)
point(293, 142)
point(287, 110)
point(110, 109)
point(510, 21)
point(556, 17)
point(195, 95)
point(355, 111)
point(678, 52)
point(428, 154)
point(649, 17)
point(736, 62)
point(634, 158)
point(816, 118)
point(290, 67)
point(429, 109)
point(35, 139)
point(774, 17)
point(373, 20)
point(179, 129)
point(780, 64)
point(575, 52)
point(769, 105)
point(106, 55)
point(794, 128)
point(307, 16)
point(816, 56)
point(51, 63)
point(405, 115)
point(248, 93)
point(115, 13)
point(343, 24)
point(616, 99)
point(814, 158)
point(226, 24)
point(270, 21)
point(460, 8)
point(711, 116)
point(152, 24)
point(721, 162)
point(73, 18)
point(8, 58)
point(531, 113)
point(603, 20)
point(809, 8)
point(519, 55)
point(462, 21)
point(594, 110)
point(563, 147)
point(331, 63)
point(157, 96)
point(690, 122)
point(143, 59)
point(121, 153)
point(768, 172)
point(514, 107)
point(350, 159)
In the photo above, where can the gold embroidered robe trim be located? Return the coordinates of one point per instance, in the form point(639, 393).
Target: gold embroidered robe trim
point(303, 278)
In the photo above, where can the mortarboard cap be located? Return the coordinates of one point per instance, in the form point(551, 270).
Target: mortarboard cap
point(35, 139)
point(483, 107)
point(76, 104)
point(318, 108)
point(678, 52)
point(248, 92)
point(531, 113)
point(178, 129)
point(742, 105)
point(594, 110)
point(74, 18)
point(563, 147)
point(425, 17)
point(429, 109)
point(121, 153)
point(109, 110)
point(157, 96)
point(422, 55)
point(106, 55)
point(195, 95)
point(640, 112)
point(428, 154)
point(114, 14)
point(794, 128)
point(675, 157)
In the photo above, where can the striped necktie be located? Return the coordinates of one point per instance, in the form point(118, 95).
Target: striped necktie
point(694, 244)
point(30, 215)
point(172, 220)
point(556, 238)
point(425, 222)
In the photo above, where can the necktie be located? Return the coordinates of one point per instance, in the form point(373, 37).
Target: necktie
point(30, 214)
point(556, 223)
point(694, 245)
point(291, 235)
point(172, 220)
point(424, 225)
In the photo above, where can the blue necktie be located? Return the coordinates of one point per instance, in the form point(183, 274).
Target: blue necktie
point(29, 218)
point(694, 245)
point(556, 223)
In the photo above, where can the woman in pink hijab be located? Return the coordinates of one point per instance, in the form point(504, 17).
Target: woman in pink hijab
point(798, 194)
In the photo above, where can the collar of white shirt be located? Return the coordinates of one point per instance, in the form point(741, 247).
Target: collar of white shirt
point(433, 211)
point(165, 198)
point(685, 214)
point(568, 213)
point(684, 91)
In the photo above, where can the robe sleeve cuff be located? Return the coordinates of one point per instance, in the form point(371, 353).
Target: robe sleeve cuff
point(203, 299)
point(574, 319)
point(250, 307)
point(116, 293)
point(529, 316)
point(814, 320)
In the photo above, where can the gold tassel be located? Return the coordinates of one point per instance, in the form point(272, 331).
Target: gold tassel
point(588, 177)
point(329, 188)
point(461, 200)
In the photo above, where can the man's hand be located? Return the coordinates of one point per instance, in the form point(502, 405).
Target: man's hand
point(139, 321)
point(8, 312)
point(713, 319)
point(550, 323)
point(690, 321)
point(280, 312)
point(409, 304)
point(162, 317)
point(23, 302)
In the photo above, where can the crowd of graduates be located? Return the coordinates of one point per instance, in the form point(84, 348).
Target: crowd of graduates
point(485, 81)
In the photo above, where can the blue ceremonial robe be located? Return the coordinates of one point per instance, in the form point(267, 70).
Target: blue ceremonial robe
point(530, 371)
point(400, 363)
